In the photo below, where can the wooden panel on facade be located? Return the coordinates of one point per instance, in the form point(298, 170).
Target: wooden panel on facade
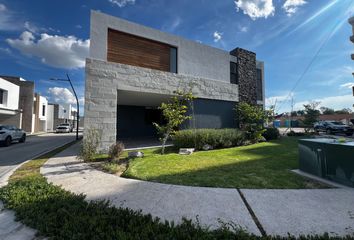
point(137, 51)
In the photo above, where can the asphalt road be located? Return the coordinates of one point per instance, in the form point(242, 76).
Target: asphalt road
point(17, 153)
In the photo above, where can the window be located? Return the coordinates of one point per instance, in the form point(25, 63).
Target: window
point(1, 96)
point(43, 110)
point(64, 110)
point(173, 60)
point(259, 85)
point(233, 73)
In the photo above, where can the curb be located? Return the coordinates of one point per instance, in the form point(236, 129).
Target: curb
point(5, 179)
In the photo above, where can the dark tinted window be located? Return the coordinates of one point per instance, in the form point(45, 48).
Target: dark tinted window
point(259, 85)
point(43, 110)
point(173, 60)
point(233, 73)
point(1, 96)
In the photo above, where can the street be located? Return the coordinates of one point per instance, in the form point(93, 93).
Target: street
point(17, 153)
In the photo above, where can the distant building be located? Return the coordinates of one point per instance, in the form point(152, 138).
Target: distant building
point(58, 114)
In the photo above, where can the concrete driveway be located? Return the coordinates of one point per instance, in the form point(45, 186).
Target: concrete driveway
point(17, 153)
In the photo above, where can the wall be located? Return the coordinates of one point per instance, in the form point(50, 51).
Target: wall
point(11, 96)
point(247, 75)
point(212, 114)
point(42, 102)
point(104, 79)
point(50, 118)
point(194, 59)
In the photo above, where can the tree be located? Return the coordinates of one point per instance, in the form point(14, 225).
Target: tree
point(300, 112)
point(344, 111)
point(270, 114)
point(174, 112)
point(311, 114)
point(250, 119)
point(293, 113)
point(327, 111)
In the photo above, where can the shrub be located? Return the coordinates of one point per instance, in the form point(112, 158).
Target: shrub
point(89, 145)
point(271, 134)
point(115, 151)
point(296, 134)
point(217, 138)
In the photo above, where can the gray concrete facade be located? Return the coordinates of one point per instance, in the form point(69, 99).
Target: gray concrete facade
point(104, 79)
point(194, 59)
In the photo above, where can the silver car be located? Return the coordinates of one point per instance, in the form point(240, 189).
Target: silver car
point(9, 133)
point(62, 129)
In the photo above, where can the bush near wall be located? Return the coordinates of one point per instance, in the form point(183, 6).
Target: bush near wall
point(217, 138)
point(271, 134)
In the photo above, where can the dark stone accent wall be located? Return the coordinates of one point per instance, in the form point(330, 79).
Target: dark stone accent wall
point(247, 75)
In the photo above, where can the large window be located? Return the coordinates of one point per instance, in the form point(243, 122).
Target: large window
point(233, 73)
point(43, 110)
point(1, 96)
point(259, 85)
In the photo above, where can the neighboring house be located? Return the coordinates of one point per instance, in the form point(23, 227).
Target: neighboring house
point(26, 101)
point(58, 114)
point(40, 113)
point(132, 69)
point(10, 114)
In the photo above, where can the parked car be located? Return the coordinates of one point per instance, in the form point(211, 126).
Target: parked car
point(9, 133)
point(63, 129)
point(71, 127)
point(332, 127)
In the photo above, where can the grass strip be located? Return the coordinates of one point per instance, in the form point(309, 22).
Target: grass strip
point(59, 214)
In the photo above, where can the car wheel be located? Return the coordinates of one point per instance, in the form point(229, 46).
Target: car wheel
point(8, 141)
point(23, 138)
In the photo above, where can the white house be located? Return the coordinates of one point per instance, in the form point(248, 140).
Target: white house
point(10, 114)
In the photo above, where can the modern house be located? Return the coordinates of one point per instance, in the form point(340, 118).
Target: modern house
point(132, 69)
point(25, 101)
point(10, 114)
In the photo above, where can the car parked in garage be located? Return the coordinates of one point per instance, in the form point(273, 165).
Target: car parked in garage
point(9, 133)
point(333, 127)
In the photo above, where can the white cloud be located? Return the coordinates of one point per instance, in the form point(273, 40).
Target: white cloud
point(256, 8)
point(217, 36)
point(62, 96)
point(30, 27)
point(57, 51)
point(5, 50)
point(122, 3)
point(347, 85)
point(243, 29)
point(78, 26)
point(291, 6)
point(335, 102)
point(8, 20)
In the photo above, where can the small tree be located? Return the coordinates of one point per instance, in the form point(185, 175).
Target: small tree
point(311, 115)
point(89, 145)
point(174, 112)
point(251, 119)
point(327, 111)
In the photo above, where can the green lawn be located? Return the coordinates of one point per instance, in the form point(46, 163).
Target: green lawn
point(262, 165)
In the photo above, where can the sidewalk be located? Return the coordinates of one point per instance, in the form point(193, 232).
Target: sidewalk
point(280, 212)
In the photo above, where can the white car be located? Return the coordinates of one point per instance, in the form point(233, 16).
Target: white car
point(9, 133)
point(63, 129)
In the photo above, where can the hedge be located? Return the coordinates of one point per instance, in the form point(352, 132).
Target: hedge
point(216, 138)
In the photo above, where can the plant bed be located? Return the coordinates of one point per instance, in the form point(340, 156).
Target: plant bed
point(262, 165)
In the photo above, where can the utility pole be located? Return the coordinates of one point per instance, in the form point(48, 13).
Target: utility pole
point(292, 109)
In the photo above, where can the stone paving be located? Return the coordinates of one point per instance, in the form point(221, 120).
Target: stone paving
point(305, 211)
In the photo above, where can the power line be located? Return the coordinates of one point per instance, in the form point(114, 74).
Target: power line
point(313, 59)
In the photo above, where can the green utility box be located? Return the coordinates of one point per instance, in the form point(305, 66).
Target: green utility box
point(328, 158)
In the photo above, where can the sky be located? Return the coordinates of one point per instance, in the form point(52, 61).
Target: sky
point(304, 43)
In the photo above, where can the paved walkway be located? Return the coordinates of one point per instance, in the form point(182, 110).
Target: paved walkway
point(279, 212)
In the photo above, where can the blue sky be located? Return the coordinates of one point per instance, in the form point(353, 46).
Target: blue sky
point(40, 39)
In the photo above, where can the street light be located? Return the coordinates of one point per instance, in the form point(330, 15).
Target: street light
point(77, 102)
